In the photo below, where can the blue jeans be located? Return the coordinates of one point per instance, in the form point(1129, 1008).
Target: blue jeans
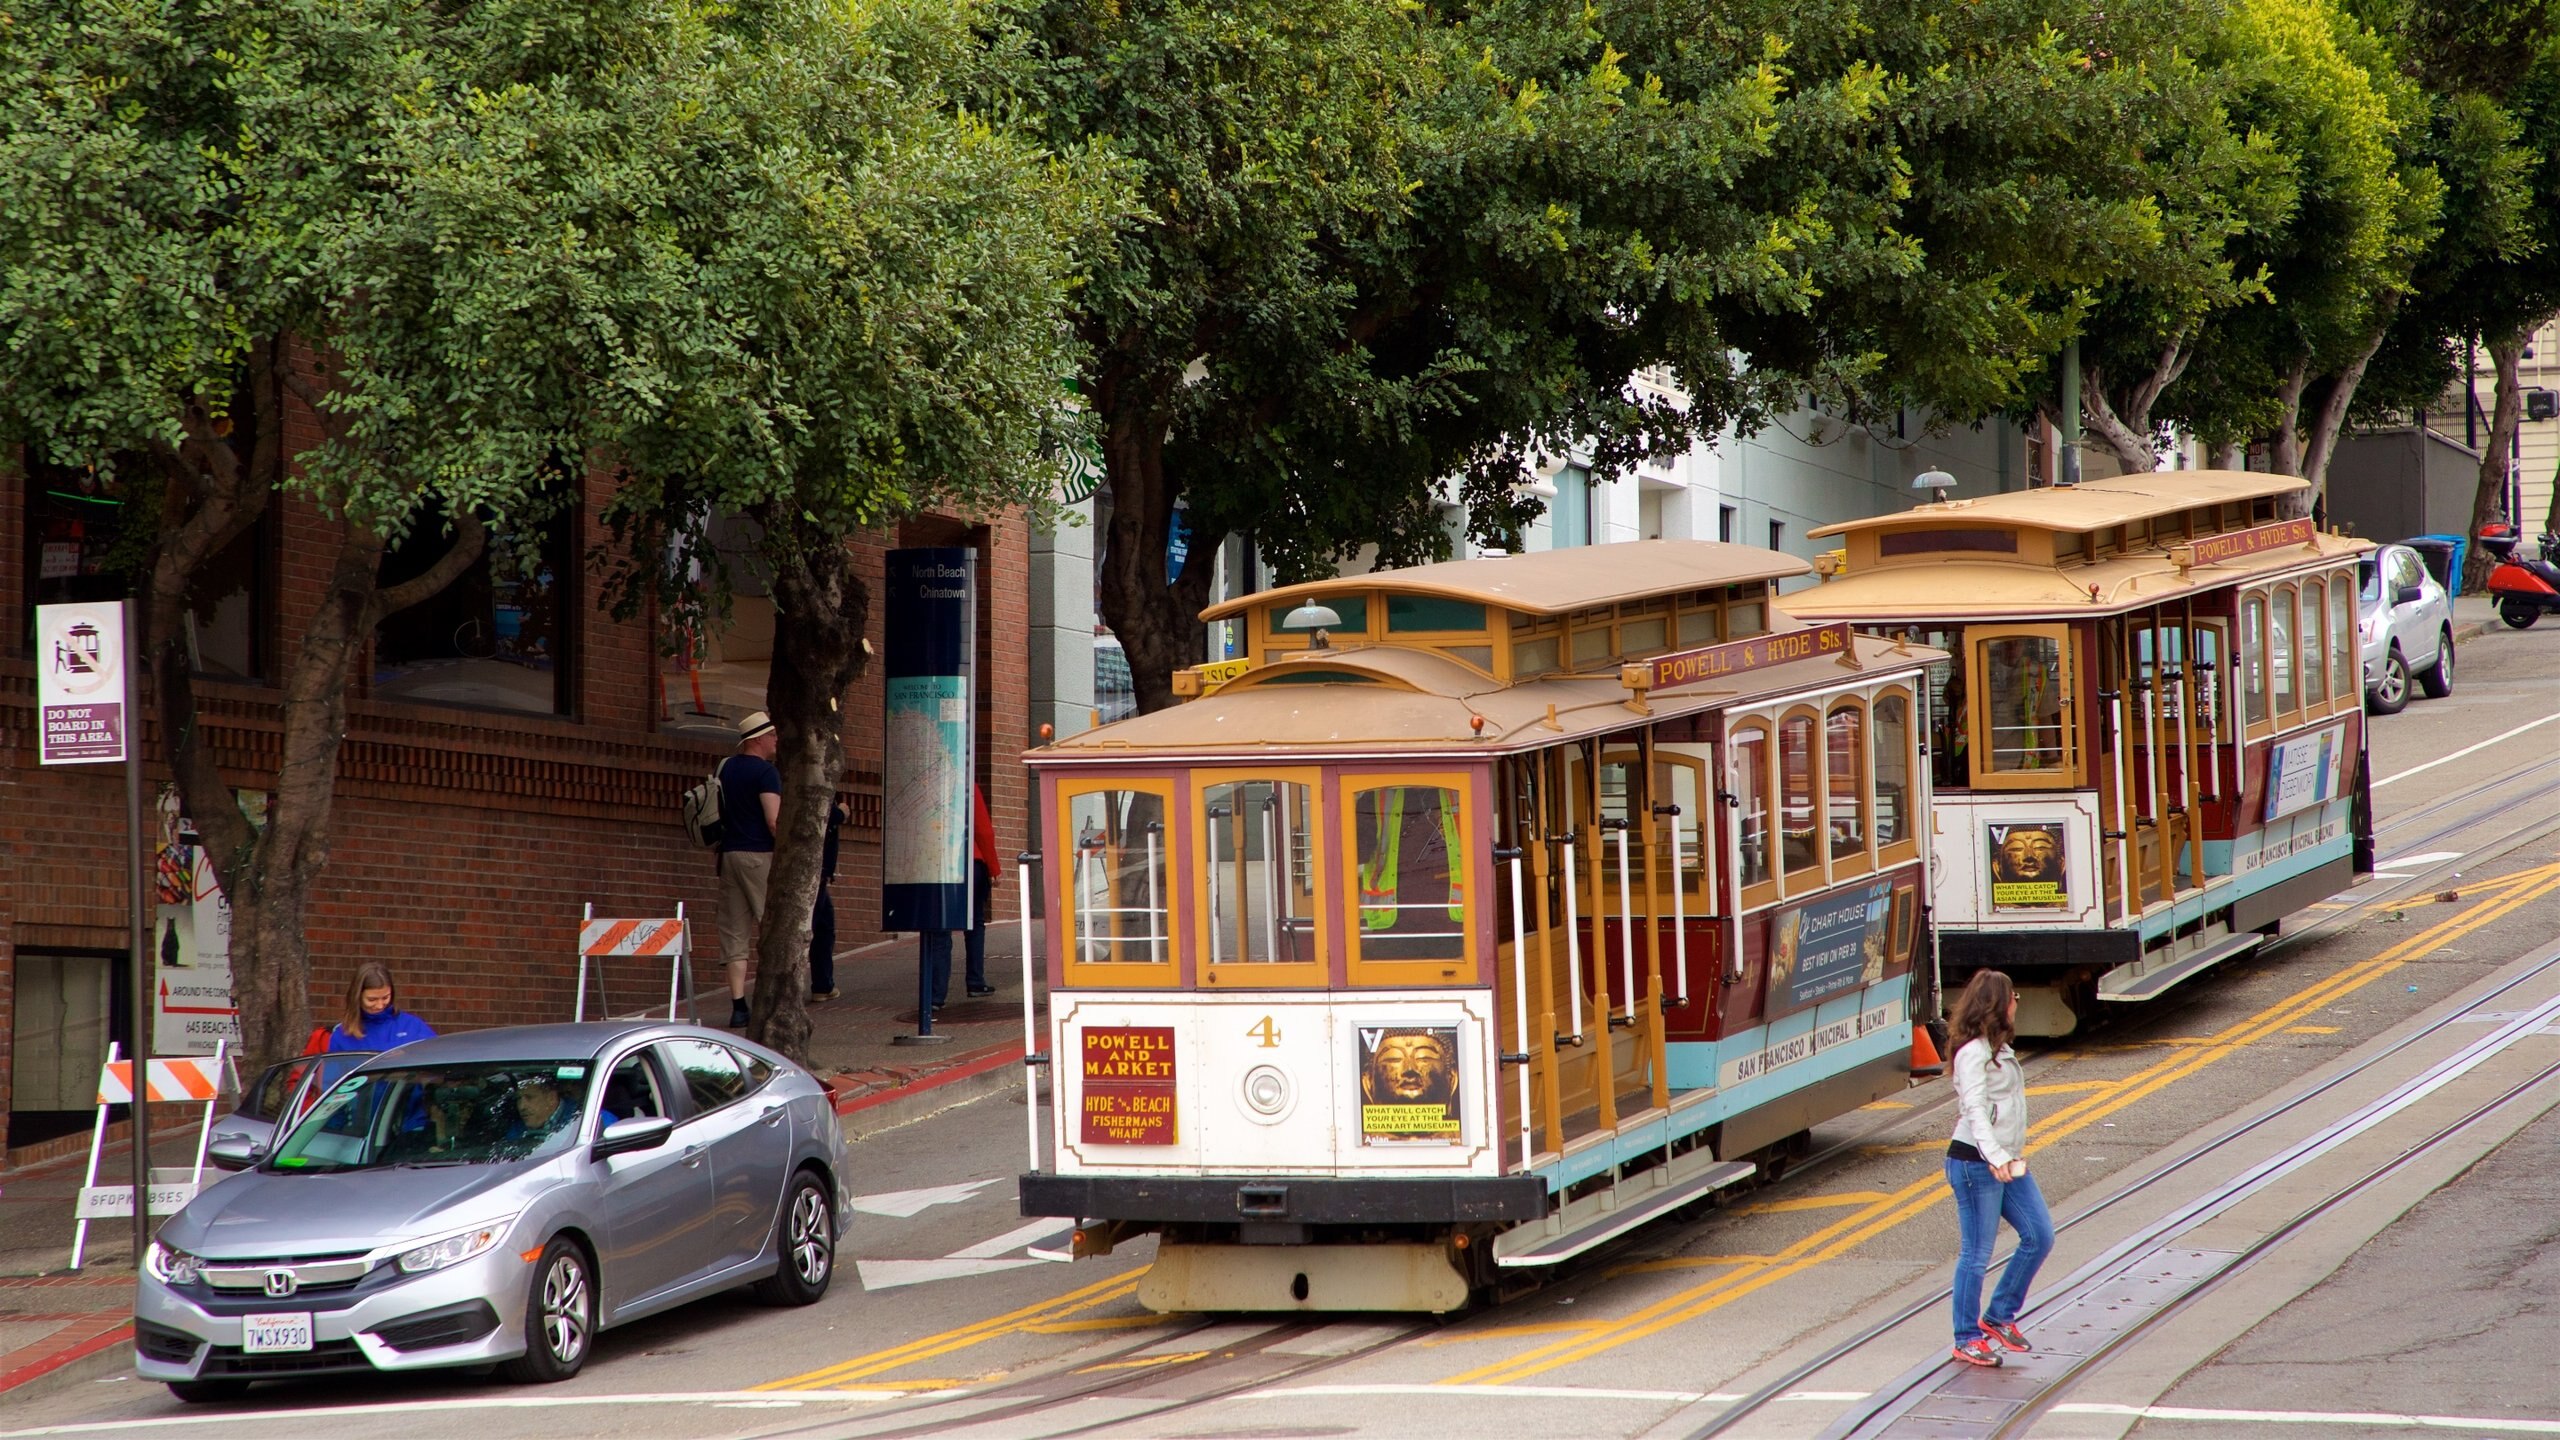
point(934, 947)
point(1981, 1204)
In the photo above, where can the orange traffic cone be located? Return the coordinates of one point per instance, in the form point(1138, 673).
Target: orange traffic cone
point(1924, 1053)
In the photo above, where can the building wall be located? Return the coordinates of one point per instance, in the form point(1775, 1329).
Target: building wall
point(464, 843)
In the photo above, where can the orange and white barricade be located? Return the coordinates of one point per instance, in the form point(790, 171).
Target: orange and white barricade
point(603, 939)
point(175, 1080)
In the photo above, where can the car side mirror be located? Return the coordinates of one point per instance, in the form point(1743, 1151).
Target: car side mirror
point(2408, 595)
point(640, 1132)
point(234, 1151)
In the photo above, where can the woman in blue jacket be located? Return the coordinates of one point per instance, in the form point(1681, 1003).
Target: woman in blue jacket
point(373, 1021)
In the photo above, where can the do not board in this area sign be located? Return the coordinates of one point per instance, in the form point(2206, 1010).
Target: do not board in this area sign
point(1128, 1084)
point(80, 683)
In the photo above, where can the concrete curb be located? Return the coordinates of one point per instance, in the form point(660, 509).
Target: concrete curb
point(880, 1110)
point(78, 1341)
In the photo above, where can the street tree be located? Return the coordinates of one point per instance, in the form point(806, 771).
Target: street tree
point(209, 208)
point(839, 296)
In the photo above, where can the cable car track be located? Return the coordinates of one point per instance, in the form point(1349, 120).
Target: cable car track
point(2151, 1237)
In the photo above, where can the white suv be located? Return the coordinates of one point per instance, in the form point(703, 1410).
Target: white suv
point(2405, 623)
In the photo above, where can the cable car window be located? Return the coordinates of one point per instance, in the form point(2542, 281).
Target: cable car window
point(1119, 890)
point(1950, 759)
point(1430, 612)
point(2022, 702)
point(1530, 658)
point(1741, 622)
point(1844, 768)
point(1751, 787)
point(2253, 659)
point(1800, 817)
point(2315, 644)
point(2342, 639)
point(2279, 649)
point(1409, 843)
point(1893, 769)
point(1260, 882)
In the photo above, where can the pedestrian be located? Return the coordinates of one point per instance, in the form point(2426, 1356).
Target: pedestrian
point(822, 918)
point(373, 1021)
point(750, 806)
point(1988, 1172)
point(934, 946)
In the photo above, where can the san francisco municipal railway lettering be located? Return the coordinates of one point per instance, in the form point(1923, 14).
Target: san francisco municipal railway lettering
point(1813, 1042)
point(1129, 1086)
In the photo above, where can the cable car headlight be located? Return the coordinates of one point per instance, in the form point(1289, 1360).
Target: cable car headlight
point(1266, 1093)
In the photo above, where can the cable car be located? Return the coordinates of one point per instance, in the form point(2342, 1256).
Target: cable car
point(1482, 912)
point(2148, 737)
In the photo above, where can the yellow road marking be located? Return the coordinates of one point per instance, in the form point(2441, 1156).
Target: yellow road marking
point(1504, 1332)
point(1886, 1105)
point(1812, 1202)
point(1146, 1362)
point(1098, 1322)
point(2073, 1088)
point(1921, 1196)
point(2311, 1029)
point(878, 1362)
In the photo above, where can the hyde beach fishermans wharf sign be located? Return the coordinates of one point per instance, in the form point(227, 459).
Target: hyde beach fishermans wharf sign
point(1128, 1084)
point(1715, 662)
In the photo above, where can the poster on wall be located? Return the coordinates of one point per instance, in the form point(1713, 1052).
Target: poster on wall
point(1409, 1085)
point(191, 936)
point(1829, 947)
point(2304, 771)
point(80, 698)
point(927, 746)
point(2029, 869)
point(1129, 1086)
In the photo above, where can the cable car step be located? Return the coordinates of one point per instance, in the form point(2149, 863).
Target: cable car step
point(2136, 982)
point(1594, 1220)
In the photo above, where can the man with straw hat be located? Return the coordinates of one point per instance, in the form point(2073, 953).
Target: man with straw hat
point(750, 806)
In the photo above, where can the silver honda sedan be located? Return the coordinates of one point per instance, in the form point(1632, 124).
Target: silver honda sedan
point(499, 1196)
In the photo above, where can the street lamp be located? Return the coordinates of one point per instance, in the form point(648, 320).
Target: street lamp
point(1315, 617)
point(1936, 482)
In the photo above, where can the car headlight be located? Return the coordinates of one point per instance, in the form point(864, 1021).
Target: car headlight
point(453, 1249)
point(173, 1267)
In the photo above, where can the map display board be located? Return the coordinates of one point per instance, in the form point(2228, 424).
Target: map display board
point(928, 751)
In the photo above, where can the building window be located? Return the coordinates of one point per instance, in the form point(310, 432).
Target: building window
point(75, 552)
point(1569, 514)
point(1777, 535)
point(1728, 523)
point(497, 637)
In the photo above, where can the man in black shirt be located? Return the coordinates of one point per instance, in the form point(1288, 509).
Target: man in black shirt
point(750, 805)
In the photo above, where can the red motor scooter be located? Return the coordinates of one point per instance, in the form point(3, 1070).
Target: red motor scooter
point(2523, 589)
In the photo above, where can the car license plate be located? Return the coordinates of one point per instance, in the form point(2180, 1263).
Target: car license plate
point(266, 1334)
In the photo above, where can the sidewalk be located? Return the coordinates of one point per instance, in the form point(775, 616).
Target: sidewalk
point(52, 1318)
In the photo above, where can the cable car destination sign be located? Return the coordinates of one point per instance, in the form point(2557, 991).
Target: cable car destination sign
point(1714, 662)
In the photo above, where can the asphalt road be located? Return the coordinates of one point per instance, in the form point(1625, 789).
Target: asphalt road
point(954, 1330)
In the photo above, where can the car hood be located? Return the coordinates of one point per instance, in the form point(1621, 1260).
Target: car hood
point(257, 1214)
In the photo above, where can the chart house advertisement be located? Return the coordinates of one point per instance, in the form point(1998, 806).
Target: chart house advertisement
point(926, 742)
point(2029, 865)
point(1128, 1081)
point(1409, 1085)
point(2304, 771)
point(80, 661)
point(1830, 947)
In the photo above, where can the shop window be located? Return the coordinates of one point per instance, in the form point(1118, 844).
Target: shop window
point(2315, 645)
point(1800, 816)
point(497, 637)
point(1409, 858)
point(1260, 876)
point(77, 551)
point(2022, 704)
point(1751, 788)
point(1893, 769)
point(2281, 628)
point(1844, 769)
point(2253, 658)
point(1120, 897)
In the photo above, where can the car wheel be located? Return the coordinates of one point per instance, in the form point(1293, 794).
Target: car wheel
point(208, 1392)
point(2390, 693)
point(2437, 679)
point(559, 1316)
point(2519, 615)
point(805, 1235)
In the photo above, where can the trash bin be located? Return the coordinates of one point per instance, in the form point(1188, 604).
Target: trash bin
point(2442, 555)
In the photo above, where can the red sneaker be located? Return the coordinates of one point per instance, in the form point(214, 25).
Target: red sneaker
point(1979, 1352)
point(2009, 1336)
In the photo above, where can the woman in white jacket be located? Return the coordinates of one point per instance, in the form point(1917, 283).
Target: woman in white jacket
point(1988, 1172)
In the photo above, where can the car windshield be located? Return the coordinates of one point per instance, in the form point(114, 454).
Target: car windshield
point(487, 1113)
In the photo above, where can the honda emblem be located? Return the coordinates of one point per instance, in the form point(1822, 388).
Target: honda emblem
point(281, 1283)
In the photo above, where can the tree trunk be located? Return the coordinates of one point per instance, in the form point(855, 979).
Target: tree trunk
point(1157, 624)
point(2331, 422)
point(820, 607)
point(2231, 455)
point(2489, 495)
point(2284, 443)
point(2125, 424)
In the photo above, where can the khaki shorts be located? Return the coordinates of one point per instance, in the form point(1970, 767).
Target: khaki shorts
point(743, 878)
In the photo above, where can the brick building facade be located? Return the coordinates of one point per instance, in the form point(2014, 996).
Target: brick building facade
point(465, 839)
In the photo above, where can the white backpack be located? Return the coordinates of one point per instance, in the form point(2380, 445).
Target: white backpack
point(701, 810)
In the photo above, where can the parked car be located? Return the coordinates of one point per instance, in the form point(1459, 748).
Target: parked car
point(498, 1196)
point(2404, 620)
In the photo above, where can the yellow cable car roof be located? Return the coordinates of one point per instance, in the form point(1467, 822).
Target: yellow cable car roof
point(1413, 703)
point(2090, 505)
point(1550, 582)
point(1969, 588)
